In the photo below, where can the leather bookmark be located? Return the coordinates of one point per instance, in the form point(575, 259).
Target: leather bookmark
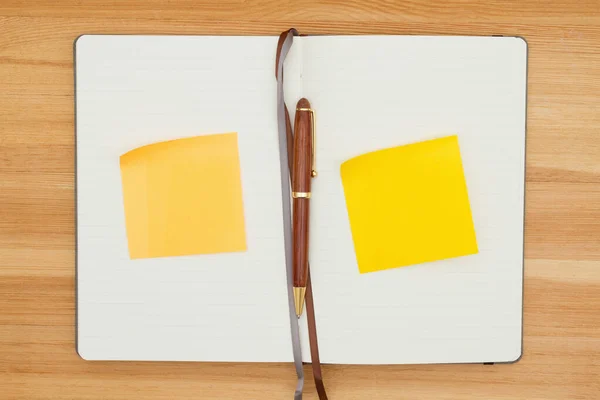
point(286, 154)
point(283, 47)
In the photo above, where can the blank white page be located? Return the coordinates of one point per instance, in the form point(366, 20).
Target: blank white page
point(136, 90)
point(374, 92)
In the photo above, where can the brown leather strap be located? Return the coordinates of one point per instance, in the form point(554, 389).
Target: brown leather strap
point(312, 337)
point(285, 43)
point(310, 307)
point(280, 46)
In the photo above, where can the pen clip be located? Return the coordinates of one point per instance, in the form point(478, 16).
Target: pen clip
point(313, 173)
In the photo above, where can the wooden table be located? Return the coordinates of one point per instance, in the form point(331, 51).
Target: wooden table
point(37, 226)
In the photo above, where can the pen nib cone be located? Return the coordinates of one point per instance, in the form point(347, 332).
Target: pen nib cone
point(299, 293)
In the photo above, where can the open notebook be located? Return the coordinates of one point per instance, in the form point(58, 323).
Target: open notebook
point(370, 93)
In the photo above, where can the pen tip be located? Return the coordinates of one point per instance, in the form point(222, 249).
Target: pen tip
point(299, 293)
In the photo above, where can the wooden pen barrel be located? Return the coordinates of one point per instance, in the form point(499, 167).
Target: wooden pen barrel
point(301, 179)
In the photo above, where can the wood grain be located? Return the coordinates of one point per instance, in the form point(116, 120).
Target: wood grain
point(37, 227)
point(301, 183)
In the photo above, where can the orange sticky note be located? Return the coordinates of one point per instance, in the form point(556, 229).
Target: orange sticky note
point(408, 205)
point(184, 197)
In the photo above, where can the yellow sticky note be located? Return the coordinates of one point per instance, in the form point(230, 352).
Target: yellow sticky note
point(408, 205)
point(184, 197)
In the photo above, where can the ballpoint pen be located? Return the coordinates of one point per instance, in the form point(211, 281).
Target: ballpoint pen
point(303, 169)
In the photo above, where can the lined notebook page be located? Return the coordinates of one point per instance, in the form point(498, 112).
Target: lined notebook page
point(373, 92)
point(136, 90)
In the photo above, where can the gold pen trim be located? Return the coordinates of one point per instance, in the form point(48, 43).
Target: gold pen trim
point(313, 173)
point(299, 295)
point(301, 195)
